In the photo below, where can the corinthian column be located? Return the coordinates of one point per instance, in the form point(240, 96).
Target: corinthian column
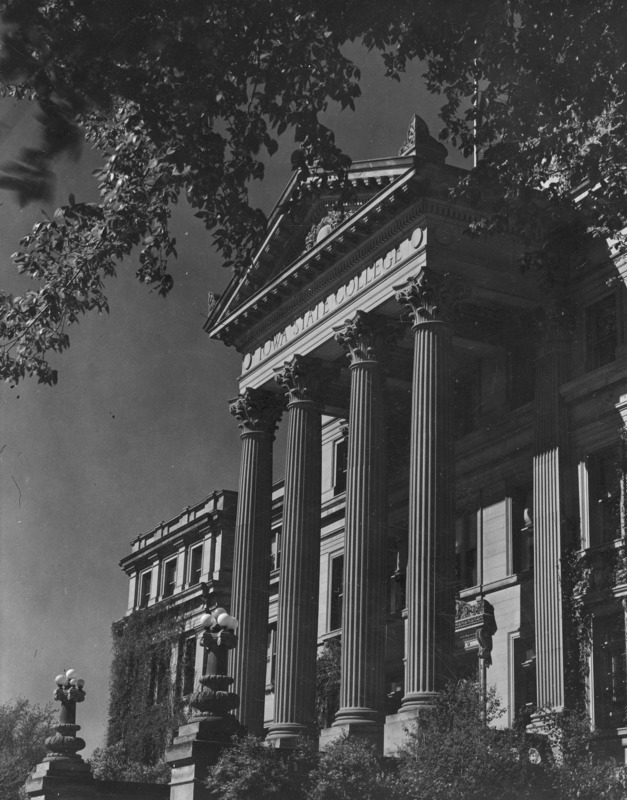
point(257, 413)
point(294, 699)
point(362, 685)
point(430, 589)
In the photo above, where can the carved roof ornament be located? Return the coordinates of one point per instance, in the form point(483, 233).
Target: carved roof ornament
point(257, 411)
point(303, 377)
point(430, 296)
point(419, 142)
point(364, 335)
point(212, 302)
point(322, 229)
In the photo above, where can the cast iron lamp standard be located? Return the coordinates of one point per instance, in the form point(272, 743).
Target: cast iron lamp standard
point(213, 701)
point(200, 742)
point(64, 744)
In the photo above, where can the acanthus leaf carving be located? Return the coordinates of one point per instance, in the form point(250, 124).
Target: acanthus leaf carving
point(430, 296)
point(257, 410)
point(365, 335)
point(303, 377)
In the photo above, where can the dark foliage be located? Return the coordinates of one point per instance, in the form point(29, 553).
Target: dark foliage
point(249, 770)
point(183, 97)
point(143, 707)
point(23, 730)
point(350, 769)
point(451, 753)
point(114, 763)
point(328, 671)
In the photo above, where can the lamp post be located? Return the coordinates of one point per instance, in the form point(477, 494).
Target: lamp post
point(64, 744)
point(212, 702)
point(200, 742)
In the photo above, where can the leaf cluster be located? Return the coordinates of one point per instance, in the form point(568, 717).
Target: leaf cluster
point(23, 730)
point(249, 770)
point(114, 763)
point(189, 98)
point(451, 752)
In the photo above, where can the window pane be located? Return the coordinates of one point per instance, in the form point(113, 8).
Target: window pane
point(337, 588)
point(169, 578)
point(195, 569)
point(341, 460)
point(144, 597)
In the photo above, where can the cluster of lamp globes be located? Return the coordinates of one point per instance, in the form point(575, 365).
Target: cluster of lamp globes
point(69, 683)
point(221, 618)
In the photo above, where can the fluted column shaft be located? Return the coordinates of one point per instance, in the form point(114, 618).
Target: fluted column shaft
point(549, 521)
point(257, 413)
point(430, 588)
point(294, 709)
point(362, 686)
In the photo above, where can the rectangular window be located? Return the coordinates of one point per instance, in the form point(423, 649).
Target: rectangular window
point(522, 530)
point(195, 565)
point(467, 665)
point(275, 550)
point(524, 676)
point(337, 593)
point(144, 589)
point(169, 577)
point(271, 657)
point(609, 671)
point(601, 332)
point(466, 549)
point(604, 489)
point(341, 463)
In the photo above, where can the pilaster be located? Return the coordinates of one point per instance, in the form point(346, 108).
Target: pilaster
point(550, 490)
point(294, 713)
point(257, 413)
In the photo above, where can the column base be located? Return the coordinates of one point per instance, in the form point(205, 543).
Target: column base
point(415, 702)
point(364, 723)
point(287, 735)
point(373, 734)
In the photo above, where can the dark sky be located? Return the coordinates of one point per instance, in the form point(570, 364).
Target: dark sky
point(138, 426)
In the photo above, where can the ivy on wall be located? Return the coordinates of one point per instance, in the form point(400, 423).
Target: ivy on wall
point(577, 627)
point(143, 707)
point(328, 671)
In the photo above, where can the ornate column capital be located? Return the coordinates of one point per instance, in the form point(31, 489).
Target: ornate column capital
point(429, 297)
point(303, 377)
point(364, 336)
point(257, 411)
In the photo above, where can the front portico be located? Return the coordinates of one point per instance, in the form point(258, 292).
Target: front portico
point(386, 306)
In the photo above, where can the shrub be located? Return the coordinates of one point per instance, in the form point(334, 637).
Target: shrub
point(451, 753)
point(577, 770)
point(249, 770)
point(350, 769)
point(113, 763)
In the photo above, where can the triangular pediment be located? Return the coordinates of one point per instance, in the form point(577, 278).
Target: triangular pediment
point(297, 231)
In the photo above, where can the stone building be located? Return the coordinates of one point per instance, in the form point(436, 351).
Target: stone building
point(453, 492)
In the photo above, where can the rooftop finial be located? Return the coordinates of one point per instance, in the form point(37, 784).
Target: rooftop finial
point(419, 142)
